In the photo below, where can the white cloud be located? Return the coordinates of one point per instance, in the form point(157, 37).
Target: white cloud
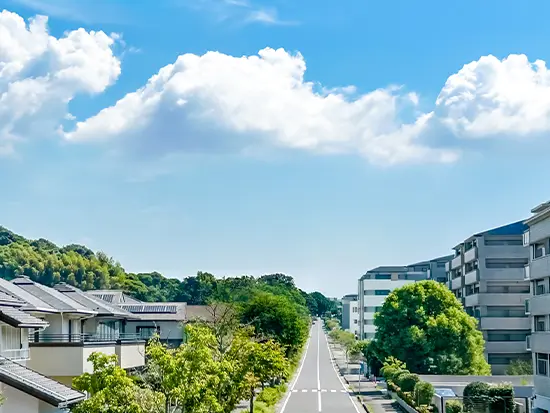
point(215, 100)
point(496, 98)
point(41, 74)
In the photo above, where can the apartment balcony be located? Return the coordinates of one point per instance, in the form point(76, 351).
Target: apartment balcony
point(539, 304)
point(505, 347)
point(528, 343)
point(540, 342)
point(504, 323)
point(526, 273)
point(448, 266)
point(539, 267)
point(496, 299)
point(471, 277)
point(66, 355)
point(456, 283)
point(456, 262)
point(528, 306)
point(470, 255)
point(502, 274)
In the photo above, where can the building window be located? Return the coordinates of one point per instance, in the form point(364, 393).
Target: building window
point(368, 322)
point(147, 332)
point(540, 287)
point(382, 292)
point(355, 321)
point(10, 342)
point(382, 276)
point(503, 335)
point(354, 309)
point(516, 311)
point(542, 364)
point(505, 359)
point(539, 249)
point(505, 262)
point(508, 289)
point(540, 323)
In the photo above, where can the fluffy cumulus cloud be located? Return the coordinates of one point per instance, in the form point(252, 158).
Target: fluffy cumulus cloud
point(41, 74)
point(217, 102)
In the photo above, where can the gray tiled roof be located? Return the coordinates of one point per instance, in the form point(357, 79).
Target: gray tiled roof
point(102, 307)
point(16, 318)
point(51, 296)
point(8, 299)
point(37, 385)
point(30, 302)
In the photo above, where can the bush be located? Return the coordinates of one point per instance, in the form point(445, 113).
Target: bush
point(501, 398)
point(423, 393)
point(408, 381)
point(476, 396)
point(261, 407)
point(269, 396)
point(399, 376)
point(453, 406)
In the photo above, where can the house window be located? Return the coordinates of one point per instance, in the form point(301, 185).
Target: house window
point(540, 287)
point(542, 364)
point(148, 332)
point(539, 249)
point(108, 329)
point(540, 323)
point(10, 343)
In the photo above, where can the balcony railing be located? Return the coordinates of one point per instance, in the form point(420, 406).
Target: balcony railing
point(82, 338)
point(15, 354)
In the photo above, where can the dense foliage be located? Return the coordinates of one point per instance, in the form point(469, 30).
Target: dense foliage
point(48, 264)
point(424, 325)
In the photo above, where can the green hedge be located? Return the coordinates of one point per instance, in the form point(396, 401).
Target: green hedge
point(420, 398)
point(453, 406)
point(479, 396)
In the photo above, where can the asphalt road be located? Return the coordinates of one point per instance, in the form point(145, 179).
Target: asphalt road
point(317, 386)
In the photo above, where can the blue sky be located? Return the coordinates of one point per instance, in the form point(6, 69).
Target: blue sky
point(355, 137)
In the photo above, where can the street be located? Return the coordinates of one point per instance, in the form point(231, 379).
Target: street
point(317, 386)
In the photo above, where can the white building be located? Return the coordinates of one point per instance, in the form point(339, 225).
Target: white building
point(537, 238)
point(350, 314)
point(379, 282)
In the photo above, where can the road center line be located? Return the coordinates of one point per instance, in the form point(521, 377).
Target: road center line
point(318, 374)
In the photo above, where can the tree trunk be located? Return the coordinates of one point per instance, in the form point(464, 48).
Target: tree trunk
point(252, 400)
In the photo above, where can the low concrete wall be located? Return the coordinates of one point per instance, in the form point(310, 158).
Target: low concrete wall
point(402, 403)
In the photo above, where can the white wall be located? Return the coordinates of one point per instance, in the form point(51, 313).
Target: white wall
point(131, 355)
point(354, 317)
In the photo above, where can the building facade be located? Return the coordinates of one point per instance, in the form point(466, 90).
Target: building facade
point(537, 274)
point(350, 314)
point(487, 275)
point(379, 282)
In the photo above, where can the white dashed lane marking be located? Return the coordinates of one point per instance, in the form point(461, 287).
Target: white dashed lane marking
point(318, 391)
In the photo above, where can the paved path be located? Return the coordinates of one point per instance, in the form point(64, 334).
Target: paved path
point(317, 386)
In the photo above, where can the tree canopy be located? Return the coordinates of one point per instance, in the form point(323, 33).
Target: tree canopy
point(46, 263)
point(424, 325)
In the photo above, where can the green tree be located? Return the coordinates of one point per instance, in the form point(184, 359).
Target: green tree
point(267, 365)
point(187, 376)
point(276, 317)
point(424, 325)
point(520, 368)
point(113, 391)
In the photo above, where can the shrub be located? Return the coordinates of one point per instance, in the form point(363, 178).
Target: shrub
point(408, 381)
point(501, 398)
point(261, 407)
point(423, 393)
point(453, 406)
point(399, 376)
point(476, 396)
point(407, 397)
point(269, 396)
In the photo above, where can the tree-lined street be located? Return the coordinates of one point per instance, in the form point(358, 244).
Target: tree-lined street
point(317, 386)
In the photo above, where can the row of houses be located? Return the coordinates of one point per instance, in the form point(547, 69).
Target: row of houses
point(502, 278)
point(47, 335)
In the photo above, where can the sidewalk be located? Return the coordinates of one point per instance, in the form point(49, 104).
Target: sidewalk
point(374, 399)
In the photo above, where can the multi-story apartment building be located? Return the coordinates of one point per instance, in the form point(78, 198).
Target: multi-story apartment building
point(379, 282)
point(487, 275)
point(350, 314)
point(537, 273)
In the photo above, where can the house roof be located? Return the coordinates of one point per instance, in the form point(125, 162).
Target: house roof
point(157, 311)
point(199, 313)
point(50, 296)
point(515, 228)
point(103, 308)
point(28, 301)
point(20, 319)
point(37, 385)
point(114, 296)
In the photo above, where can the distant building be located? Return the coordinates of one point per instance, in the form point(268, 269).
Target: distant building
point(537, 273)
point(350, 314)
point(487, 275)
point(379, 282)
